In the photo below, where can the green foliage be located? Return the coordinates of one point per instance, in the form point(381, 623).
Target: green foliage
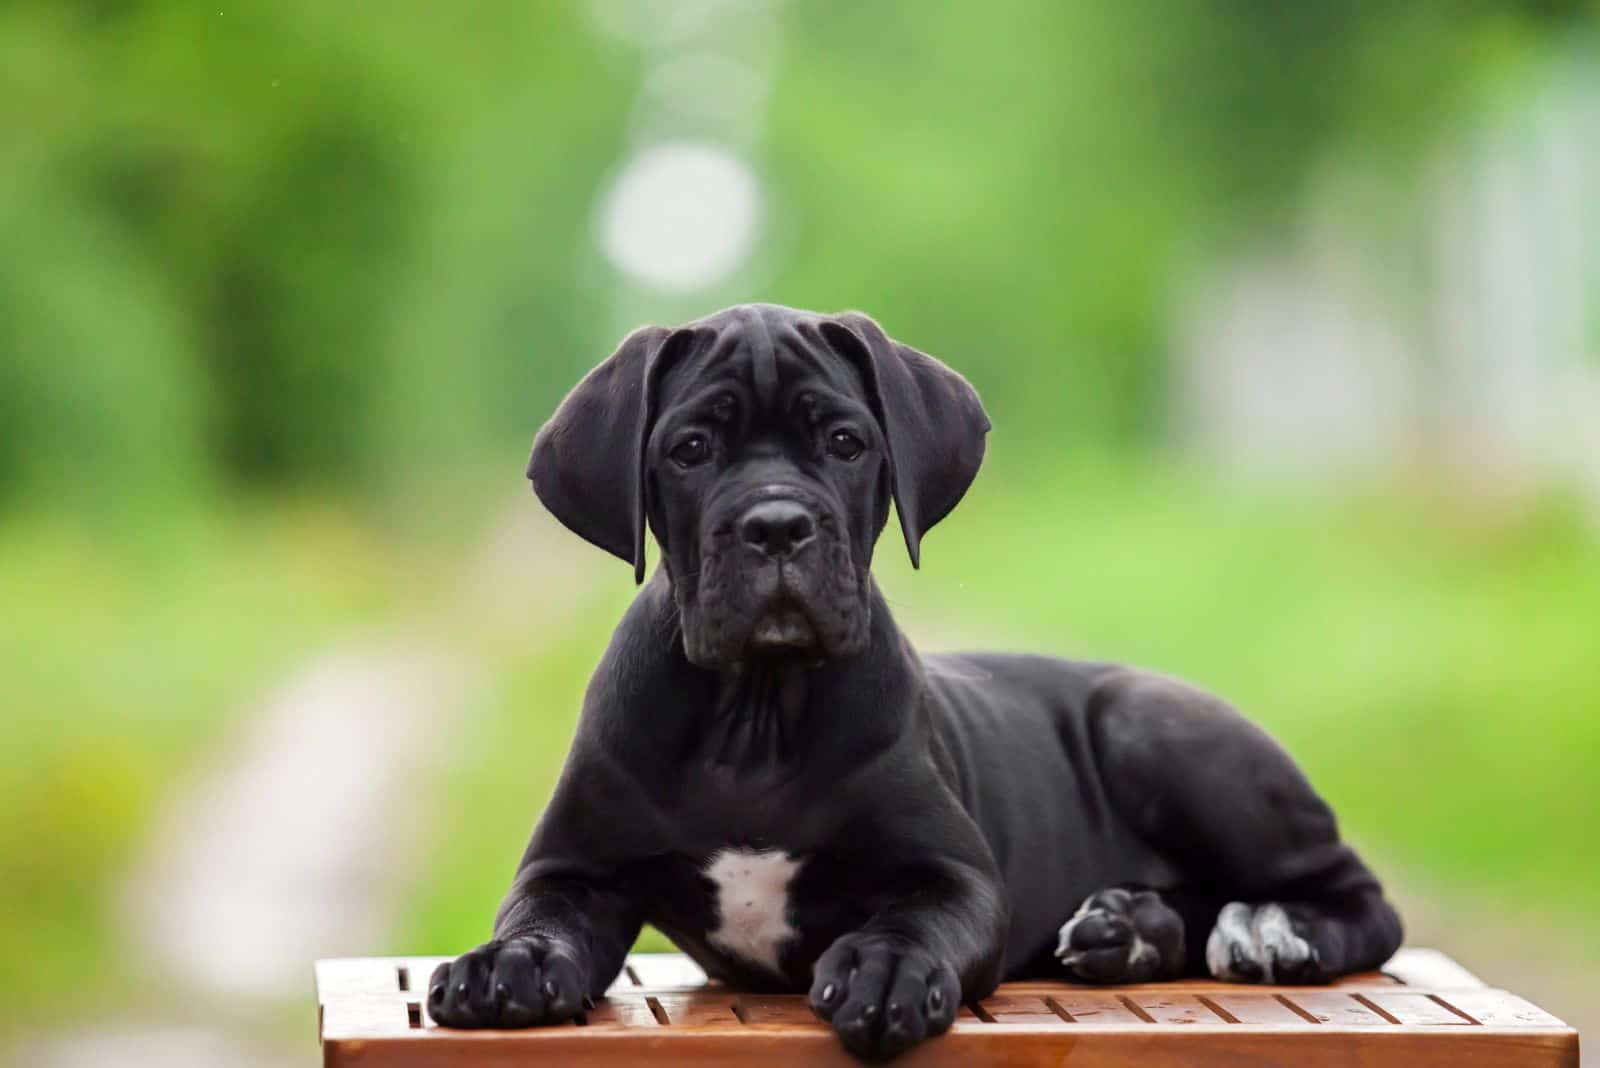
point(279, 242)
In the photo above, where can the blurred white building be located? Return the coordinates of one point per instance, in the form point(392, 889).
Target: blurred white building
point(1464, 337)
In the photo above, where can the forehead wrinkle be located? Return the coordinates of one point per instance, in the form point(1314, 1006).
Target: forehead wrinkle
point(821, 362)
point(763, 359)
point(698, 401)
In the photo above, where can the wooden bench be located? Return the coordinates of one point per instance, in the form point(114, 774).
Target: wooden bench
point(1423, 1010)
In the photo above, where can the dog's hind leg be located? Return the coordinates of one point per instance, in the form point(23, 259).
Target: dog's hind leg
point(1229, 808)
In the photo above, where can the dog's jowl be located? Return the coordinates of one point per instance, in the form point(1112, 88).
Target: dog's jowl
point(769, 773)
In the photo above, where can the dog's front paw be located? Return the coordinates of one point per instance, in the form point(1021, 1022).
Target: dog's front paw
point(883, 995)
point(518, 982)
point(1260, 944)
point(1122, 936)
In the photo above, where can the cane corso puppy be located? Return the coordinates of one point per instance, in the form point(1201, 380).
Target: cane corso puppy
point(767, 771)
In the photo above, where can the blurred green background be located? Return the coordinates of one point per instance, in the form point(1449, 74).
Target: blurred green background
point(1287, 315)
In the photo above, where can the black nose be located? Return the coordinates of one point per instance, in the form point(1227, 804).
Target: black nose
point(778, 528)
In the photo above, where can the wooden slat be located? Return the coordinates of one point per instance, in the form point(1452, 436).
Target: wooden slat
point(343, 978)
point(1429, 969)
point(1414, 1009)
point(420, 970)
point(1174, 1008)
point(1496, 1008)
point(1095, 1009)
point(1199, 985)
point(1335, 1008)
point(699, 1009)
point(365, 1017)
point(623, 1010)
point(767, 1010)
point(665, 971)
point(1019, 1008)
point(1256, 1010)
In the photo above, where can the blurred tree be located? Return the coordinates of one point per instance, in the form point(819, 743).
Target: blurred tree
point(349, 243)
point(266, 244)
point(1015, 188)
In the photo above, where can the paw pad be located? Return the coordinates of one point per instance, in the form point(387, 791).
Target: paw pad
point(1103, 941)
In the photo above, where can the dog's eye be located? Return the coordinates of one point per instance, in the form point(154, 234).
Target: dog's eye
point(691, 451)
point(845, 445)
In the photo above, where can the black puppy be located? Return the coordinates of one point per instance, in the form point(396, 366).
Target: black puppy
point(769, 773)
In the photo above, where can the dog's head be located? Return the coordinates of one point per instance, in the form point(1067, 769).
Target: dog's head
point(762, 446)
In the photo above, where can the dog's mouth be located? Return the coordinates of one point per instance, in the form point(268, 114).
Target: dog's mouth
point(784, 627)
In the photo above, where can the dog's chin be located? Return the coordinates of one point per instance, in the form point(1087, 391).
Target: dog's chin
point(784, 633)
point(783, 630)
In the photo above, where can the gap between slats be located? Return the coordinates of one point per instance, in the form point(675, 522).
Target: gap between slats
point(1297, 1010)
point(1054, 1006)
point(1218, 1010)
point(1375, 1007)
point(1135, 1008)
point(1441, 1001)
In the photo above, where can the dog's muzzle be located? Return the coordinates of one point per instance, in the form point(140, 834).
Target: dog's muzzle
point(777, 580)
point(776, 536)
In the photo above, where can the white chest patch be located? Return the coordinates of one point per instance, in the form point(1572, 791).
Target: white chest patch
point(752, 903)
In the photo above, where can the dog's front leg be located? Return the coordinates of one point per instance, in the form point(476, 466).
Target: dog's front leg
point(902, 977)
point(558, 942)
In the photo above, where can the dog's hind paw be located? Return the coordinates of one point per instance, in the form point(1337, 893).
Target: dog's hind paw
point(1260, 944)
point(1122, 936)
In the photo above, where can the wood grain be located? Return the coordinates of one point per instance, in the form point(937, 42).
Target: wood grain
point(1422, 1011)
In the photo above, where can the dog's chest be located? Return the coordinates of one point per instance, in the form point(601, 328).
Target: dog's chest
point(751, 900)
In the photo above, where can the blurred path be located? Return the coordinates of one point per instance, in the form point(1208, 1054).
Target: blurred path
point(300, 838)
point(287, 847)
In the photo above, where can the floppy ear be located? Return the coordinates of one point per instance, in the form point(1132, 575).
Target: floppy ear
point(588, 461)
point(934, 423)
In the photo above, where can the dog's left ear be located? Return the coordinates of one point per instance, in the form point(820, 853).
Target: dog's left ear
point(588, 461)
point(934, 423)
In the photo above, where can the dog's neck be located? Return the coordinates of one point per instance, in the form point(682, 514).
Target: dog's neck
point(760, 712)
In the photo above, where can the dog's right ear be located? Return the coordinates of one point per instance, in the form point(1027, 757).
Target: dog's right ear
point(588, 461)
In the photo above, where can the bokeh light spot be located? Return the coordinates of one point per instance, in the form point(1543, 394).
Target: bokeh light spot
point(681, 216)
